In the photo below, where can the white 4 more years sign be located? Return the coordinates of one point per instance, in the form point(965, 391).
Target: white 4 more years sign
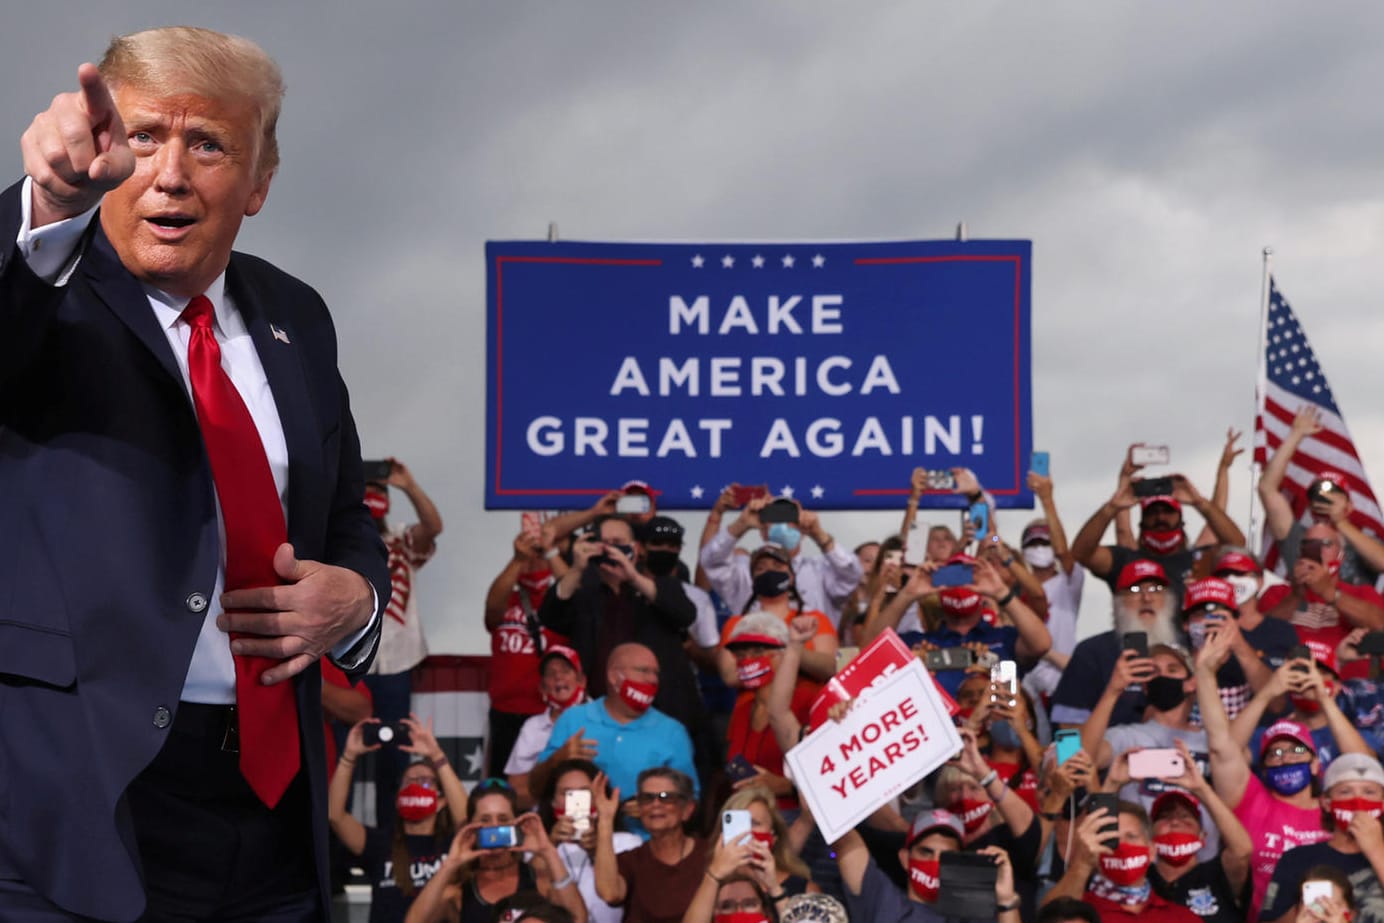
point(896, 732)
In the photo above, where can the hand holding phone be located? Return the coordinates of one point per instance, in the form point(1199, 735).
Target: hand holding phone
point(502, 837)
point(734, 824)
point(1068, 744)
point(1149, 455)
point(1038, 464)
point(1156, 764)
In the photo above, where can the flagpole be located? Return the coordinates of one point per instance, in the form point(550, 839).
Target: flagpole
point(1260, 387)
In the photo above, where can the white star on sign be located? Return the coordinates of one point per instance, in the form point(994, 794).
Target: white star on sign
point(727, 261)
point(757, 262)
point(818, 261)
point(696, 491)
point(788, 261)
point(697, 261)
point(818, 491)
point(474, 760)
point(787, 492)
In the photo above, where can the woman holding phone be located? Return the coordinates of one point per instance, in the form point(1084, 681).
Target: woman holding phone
point(768, 828)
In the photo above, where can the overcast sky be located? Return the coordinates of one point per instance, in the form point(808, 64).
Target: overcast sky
point(1149, 151)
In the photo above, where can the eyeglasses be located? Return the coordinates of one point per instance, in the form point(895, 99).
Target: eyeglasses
point(1279, 752)
point(1146, 590)
point(744, 905)
point(660, 797)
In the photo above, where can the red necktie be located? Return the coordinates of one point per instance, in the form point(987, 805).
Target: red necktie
point(254, 521)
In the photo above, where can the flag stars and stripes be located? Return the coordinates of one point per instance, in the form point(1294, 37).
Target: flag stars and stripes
point(698, 261)
point(788, 261)
point(727, 261)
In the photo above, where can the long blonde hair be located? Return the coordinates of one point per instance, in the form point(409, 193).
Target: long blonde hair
point(784, 858)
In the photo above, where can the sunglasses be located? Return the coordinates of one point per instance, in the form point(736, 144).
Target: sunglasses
point(493, 784)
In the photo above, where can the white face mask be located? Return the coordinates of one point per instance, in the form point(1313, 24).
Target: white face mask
point(1246, 587)
point(1039, 556)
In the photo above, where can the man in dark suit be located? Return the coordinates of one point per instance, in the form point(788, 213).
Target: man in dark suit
point(172, 426)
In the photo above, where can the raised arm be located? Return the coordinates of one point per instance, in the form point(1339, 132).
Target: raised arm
point(917, 483)
point(1220, 494)
point(610, 884)
point(423, 744)
point(1129, 669)
point(1216, 519)
point(1229, 764)
point(350, 831)
point(497, 597)
point(1034, 639)
point(422, 534)
point(1086, 547)
point(1278, 512)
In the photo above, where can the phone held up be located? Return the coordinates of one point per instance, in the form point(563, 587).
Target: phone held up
point(505, 837)
point(378, 471)
point(1039, 463)
point(389, 734)
point(576, 804)
point(733, 824)
point(1150, 455)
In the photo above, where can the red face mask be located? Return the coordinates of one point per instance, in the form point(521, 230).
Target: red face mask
point(972, 813)
point(924, 878)
point(1343, 809)
point(377, 502)
point(1311, 706)
point(740, 916)
point(564, 704)
point(1127, 865)
point(765, 837)
point(1162, 541)
point(755, 672)
point(638, 696)
point(1177, 848)
point(416, 802)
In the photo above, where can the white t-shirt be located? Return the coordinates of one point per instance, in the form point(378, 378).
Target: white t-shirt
point(583, 872)
point(533, 737)
point(704, 631)
point(1063, 592)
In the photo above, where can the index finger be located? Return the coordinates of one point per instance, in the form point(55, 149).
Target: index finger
point(96, 96)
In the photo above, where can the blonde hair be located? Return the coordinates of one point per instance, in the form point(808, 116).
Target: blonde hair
point(786, 860)
point(176, 60)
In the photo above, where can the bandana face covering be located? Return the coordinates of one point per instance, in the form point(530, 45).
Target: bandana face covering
point(1162, 541)
point(1127, 865)
point(416, 802)
point(1177, 849)
point(924, 878)
point(755, 672)
point(972, 813)
point(1343, 809)
point(638, 696)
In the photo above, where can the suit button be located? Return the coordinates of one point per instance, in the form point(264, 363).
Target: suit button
point(196, 603)
point(162, 717)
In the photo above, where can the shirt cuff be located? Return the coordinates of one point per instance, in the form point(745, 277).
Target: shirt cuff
point(339, 653)
point(50, 251)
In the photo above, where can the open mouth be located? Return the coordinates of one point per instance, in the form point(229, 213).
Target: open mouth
point(170, 221)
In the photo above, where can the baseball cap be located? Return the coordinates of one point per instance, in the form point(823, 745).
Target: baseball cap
point(662, 528)
point(1138, 571)
point(1167, 499)
point(1290, 729)
point(638, 487)
point(1209, 591)
point(1324, 654)
point(937, 820)
point(1172, 795)
point(1352, 767)
point(759, 628)
point(563, 651)
point(1035, 532)
point(773, 550)
point(1237, 562)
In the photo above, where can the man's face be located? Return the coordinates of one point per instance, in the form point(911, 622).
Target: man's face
point(1159, 517)
point(1148, 607)
point(1131, 830)
point(639, 665)
point(559, 679)
point(174, 221)
point(1177, 817)
point(617, 532)
point(1284, 751)
point(972, 690)
point(929, 848)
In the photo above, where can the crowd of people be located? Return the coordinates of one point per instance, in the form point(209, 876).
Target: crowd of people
point(1213, 755)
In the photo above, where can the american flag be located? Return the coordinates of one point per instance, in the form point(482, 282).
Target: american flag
point(1291, 378)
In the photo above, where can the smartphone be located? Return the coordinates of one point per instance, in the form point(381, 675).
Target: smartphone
point(948, 658)
point(498, 837)
point(576, 804)
point(744, 494)
point(733, 824)
point(1150, 455)
point(1310, 549)
point(1313, 891)
point(633, 505)
point(940, 480)
point(780, 510)
point(378, 471)
point(1068, 742)
point(1038, 464)
point(1111, 802)
point(1371, 643)
point(978, 514)
point(739, 768)
point(1300, 652)
point(954, 575)
point(967, 886)
point(1153, 487)
point(1156, 764)
point(915, 554)
point(1006, 673)
point(1136, 641)
point(373, 734)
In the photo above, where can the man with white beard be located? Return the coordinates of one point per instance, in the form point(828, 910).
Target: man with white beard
point(1142, 602)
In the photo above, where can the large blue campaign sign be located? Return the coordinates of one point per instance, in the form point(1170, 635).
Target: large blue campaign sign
point(826, 371)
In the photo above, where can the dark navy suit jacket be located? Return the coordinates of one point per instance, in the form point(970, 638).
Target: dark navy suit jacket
point(108, 535)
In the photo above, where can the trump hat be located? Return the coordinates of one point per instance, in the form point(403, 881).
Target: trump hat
point(1139, 571)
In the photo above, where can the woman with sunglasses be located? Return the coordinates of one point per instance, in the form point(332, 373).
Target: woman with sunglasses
point(399, 857)
point(655, 882)
point(481, 869)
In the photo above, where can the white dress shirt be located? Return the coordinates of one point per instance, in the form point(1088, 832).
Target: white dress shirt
point(50, 252)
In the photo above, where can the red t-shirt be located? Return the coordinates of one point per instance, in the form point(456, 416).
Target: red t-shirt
point(514, 656)
point(761, 747)
point(1322, 622)
point(1156, 910)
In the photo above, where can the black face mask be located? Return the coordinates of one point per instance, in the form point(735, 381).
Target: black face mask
point(772, 583)
point(628, 551)
point(661, 563)
point(1165, 692)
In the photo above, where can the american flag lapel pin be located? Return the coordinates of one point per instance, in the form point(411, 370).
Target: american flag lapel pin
point(278, 334)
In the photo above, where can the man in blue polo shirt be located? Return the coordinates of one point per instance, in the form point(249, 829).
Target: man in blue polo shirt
point(968, 617)
point(621, 732)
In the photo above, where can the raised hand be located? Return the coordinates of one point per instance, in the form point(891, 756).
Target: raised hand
point(578, 747)
point(1231, 451)
point(420, 738)
point(76, 151)
point(1307, 421)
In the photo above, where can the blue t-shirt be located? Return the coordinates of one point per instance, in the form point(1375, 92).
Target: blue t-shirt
point(624, 750)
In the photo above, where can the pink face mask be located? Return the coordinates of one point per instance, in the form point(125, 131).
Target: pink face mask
point(638, 696)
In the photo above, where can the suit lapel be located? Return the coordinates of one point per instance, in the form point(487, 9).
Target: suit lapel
point(125, 297)
point(269, 327)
